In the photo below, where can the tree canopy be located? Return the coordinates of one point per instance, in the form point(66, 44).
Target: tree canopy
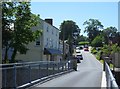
point(68, 28)
point(98, 41)
point(69, 31)
point(92, 28)
point(17, 23)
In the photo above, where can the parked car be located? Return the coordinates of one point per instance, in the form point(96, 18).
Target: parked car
point(79, 55)
point(80, 47)
point(78, 51)
point(86, 49)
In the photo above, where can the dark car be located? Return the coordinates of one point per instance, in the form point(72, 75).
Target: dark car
point(78, 60)
point(86, 49)
point(79, 56)
point(80, 47)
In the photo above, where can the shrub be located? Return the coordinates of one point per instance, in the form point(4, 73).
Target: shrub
point(110, 49)
point(93, 50)
point(97, 42)
point(83, 43)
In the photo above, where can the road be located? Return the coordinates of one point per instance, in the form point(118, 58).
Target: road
point(89, 74)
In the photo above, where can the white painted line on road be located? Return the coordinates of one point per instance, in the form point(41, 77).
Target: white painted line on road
point(104, 83)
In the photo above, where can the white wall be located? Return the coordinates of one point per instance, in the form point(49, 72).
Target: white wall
point(35, 52)
point(50, 36)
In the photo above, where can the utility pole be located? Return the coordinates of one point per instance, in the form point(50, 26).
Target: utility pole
point(63, 44)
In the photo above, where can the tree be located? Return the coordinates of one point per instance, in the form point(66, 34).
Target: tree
point(117, 38)
point(97, 42)
point(68, 27)
point(110, 49)
point(69, 30)
point(82, 38)
point(7, 18)
point(92, 28)
point(21, 34)
point(109, 32)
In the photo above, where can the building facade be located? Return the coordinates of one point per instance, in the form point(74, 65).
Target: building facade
point(46, 47)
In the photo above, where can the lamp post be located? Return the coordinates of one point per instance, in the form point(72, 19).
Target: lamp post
point(101, 54)
point(63, 45)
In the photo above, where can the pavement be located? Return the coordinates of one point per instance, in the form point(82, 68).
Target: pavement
point(89, 74)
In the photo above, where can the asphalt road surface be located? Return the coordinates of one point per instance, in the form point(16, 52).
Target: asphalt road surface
point(89, 74)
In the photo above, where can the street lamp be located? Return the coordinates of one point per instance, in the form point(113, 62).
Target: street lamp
point(63, 45)
point(75, 37)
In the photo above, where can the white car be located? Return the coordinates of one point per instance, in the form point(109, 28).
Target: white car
point(78, 54)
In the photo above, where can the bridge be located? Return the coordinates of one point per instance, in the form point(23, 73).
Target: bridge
point(58, 74)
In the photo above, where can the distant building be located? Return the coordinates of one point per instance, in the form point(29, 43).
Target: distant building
point(66, 48)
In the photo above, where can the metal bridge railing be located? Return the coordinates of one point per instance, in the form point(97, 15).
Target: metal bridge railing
point(111, 82)
point(16, 75)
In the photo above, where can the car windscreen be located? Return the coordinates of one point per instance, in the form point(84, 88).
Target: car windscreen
point(77, 52)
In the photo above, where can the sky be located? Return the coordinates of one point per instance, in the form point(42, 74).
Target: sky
point(79, 12)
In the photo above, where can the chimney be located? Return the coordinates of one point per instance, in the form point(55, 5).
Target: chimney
point(50, 21)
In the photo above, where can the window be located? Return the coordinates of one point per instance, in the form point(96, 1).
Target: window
point(38, 41)
point(47, 39)
point(46, 45)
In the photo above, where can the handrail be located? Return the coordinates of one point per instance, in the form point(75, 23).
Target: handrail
point(18, 74)
point(111, 82)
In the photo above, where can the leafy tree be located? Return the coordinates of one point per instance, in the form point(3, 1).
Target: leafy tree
point(82, 38)
point(117, 38)
point(110, 49)
point(98, 41)
point(109, 32)
point(115, 48)
point(69, 30)
point(18, 14)
point(92, 28)
point(8, 9)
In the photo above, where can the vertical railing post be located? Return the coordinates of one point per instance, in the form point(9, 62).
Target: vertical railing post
point(62, 66)
point(29, 73)
point(111, 84)
point(65, 66)
point(53, 68)
point(47, 68)
point(5, 77)
point(58, 67)
point(15, 75)
point(104, 65)
point(68, 65)
point(39, 71)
